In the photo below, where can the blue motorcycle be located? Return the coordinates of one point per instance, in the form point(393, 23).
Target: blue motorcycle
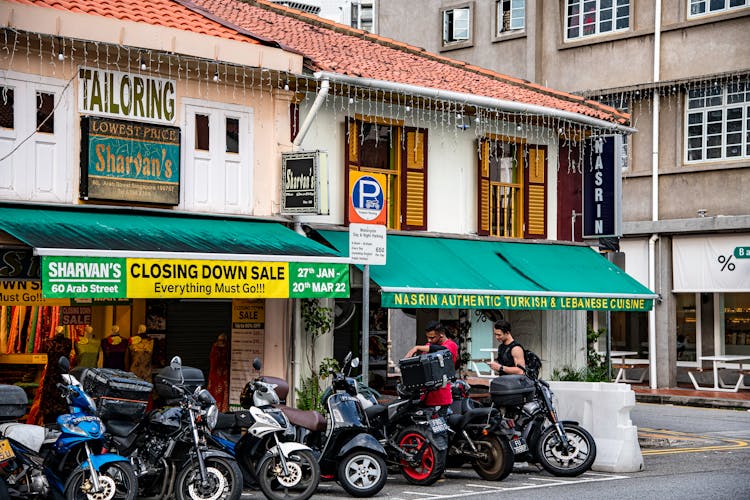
point(41, 461)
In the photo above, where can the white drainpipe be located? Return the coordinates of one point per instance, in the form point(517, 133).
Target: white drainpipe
point(473, 100)
point(654, 197)
point(319, 100)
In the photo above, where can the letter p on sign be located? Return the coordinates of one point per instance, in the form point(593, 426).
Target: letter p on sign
point(367, 199)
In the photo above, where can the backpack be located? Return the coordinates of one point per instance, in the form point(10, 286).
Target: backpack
point(533, 363)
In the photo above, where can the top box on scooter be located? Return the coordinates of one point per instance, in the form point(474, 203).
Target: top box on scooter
point(187, 377)
point(428, 371)
point(13, 401)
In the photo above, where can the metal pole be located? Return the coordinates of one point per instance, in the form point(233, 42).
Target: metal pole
point(365, 324)
point(609, 345)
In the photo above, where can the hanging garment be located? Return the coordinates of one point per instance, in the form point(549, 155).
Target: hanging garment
point(141, 351)
point(52, 402)
point(218, 375)
point(87, 352)
point(115, 350)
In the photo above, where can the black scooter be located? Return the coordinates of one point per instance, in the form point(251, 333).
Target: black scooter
point(346, 451)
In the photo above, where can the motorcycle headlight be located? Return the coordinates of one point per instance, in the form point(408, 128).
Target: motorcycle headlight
point(205, 398)
point(212, 415)
point(73, 429)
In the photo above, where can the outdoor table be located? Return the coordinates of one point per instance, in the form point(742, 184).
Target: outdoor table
point(621, 355)
point(726, 358)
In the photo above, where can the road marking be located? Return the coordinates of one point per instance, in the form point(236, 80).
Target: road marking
point(524, 486)
point(733, 444)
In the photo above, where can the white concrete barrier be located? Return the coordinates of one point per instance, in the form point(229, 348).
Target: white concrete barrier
point(603, 409)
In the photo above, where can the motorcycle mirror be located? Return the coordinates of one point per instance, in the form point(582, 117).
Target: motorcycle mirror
point(355, 362)
point(257, 364)
point(176, 363)
point(64, 364)
point(347, 358)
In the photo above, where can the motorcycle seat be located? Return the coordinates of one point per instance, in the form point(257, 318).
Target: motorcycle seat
point(309, 419)
point(226, 421)
point(375, 410)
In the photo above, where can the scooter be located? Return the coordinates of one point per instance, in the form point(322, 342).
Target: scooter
point(37, 460)
point(262, 441)
point(346, 451)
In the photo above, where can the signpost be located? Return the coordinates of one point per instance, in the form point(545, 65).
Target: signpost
point(367, 241)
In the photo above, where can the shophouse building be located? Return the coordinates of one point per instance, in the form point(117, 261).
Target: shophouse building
point(148, 177)
point(680, 68)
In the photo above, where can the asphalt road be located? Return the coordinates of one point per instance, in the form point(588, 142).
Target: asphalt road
point(688, 453)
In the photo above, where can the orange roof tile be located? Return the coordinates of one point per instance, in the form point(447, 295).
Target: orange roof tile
point(167, 13)
point(338, 48)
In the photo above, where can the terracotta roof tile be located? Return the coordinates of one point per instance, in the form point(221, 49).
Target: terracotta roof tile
point(338, 48)
point(167, 13)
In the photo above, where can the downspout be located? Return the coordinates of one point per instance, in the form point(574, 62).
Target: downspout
point(319, 100)
point(654, 197)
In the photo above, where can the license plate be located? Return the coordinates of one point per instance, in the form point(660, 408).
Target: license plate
point(519, 445)
point(438, 425)
point(6, 452)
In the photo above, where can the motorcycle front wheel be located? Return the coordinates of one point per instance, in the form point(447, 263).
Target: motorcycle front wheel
point(566, 462)
point(498, 461)
point(117, 481)
point(223, 480)
point(362, 473)
point(299, 483)
point(432, 462)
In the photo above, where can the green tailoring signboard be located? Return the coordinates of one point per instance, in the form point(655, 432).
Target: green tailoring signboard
point(92, 277)
point(523, 302)
point(129, 161)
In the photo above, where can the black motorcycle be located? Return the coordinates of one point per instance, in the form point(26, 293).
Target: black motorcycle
point(168, 447)
point(415, 437)
point(562, 447)
point(480, 436)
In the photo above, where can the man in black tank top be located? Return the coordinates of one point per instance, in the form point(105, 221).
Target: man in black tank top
point(509, 352)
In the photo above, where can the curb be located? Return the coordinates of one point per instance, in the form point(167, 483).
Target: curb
point(727, 404)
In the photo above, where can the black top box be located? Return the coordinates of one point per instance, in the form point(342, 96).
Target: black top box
point(115, 384)
point(189, 380)
point(13, 402)
point(428, 371)
point(509, 390)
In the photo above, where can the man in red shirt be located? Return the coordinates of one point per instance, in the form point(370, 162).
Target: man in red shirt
point(436, 341)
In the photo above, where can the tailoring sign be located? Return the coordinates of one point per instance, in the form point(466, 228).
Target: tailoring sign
point(719, 263)
point(133, 96)
point(129, 161)
point(602, 187)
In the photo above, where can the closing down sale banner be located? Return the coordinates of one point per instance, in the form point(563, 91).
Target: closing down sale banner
point(82, 277)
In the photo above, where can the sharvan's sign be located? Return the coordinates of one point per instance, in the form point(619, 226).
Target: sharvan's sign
point(126, 95)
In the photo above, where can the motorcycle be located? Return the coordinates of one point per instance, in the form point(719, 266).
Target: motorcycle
point(262, 440)
point(35, 460)
point(169, 447)
point(562, 447)
point(480, 436)
point(346, 451)
point(415, 437)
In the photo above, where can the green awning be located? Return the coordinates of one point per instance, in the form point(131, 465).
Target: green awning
point(77, 231)
point(430, 272)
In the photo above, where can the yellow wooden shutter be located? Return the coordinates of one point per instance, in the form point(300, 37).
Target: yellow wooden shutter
point(483, 188)
point(536, 191)
point(414, 180)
